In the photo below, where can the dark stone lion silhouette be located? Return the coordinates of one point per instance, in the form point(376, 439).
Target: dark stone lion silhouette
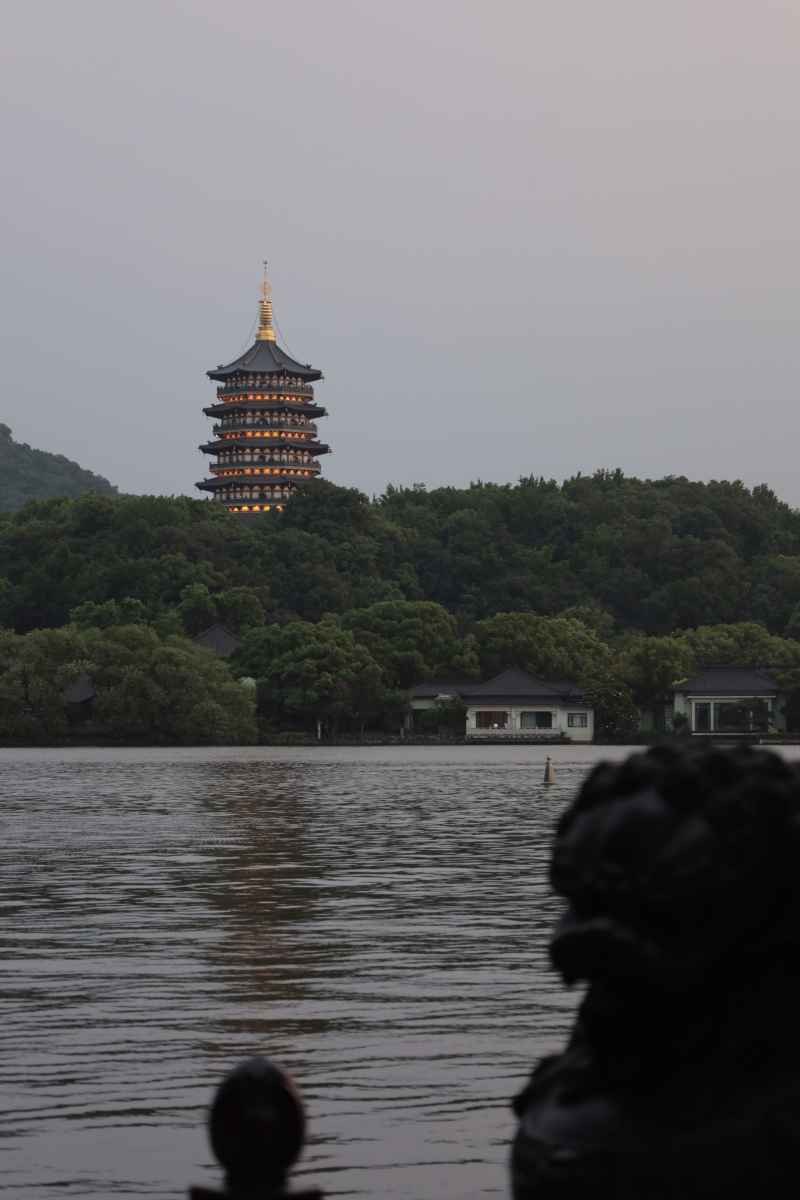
point(681, 1077)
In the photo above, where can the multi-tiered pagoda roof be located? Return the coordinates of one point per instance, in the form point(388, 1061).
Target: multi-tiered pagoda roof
point(265, 438)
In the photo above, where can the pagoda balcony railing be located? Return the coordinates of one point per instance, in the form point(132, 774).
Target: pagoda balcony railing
point(311, 465)
point(283, 389)
point(271, 449)
point(265, 460)
point(240, 426)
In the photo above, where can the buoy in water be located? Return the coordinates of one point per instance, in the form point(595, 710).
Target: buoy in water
point(549, 771)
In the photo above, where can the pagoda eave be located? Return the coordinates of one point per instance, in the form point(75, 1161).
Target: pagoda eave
point(234, 481)
point(265, 357)
point(288, 405)
point(254, 368)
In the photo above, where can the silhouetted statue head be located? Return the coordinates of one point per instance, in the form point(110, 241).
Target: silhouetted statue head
point(681, 872)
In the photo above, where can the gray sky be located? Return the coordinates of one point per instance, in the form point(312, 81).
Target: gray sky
point(532, 236)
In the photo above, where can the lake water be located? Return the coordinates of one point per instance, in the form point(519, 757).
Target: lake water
point(374, 919)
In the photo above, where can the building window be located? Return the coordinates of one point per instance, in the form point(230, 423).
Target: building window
point(742, 716)
point(702, 718)
point(577, 720)
point(492, 720)
point(536, 720)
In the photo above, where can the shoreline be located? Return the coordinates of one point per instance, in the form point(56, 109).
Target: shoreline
point(291, 740)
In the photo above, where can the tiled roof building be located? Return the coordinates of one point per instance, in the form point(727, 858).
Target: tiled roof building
point(514, 706)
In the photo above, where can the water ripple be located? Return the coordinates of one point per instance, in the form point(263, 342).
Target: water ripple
point(376, 920)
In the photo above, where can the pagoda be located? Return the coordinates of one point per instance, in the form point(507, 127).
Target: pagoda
point(265, 437)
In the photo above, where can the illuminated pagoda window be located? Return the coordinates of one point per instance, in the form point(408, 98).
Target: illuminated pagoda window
point(265, 443)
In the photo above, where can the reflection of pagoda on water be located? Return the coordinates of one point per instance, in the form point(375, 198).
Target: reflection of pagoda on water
point(265, 438)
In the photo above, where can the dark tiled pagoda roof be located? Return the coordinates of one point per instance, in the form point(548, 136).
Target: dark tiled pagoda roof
point(729, 681)
point(513, 686)
point(80, 691)
point(264, 357)
point(218, 639)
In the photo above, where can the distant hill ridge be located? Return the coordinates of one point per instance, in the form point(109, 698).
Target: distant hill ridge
point(28, 474)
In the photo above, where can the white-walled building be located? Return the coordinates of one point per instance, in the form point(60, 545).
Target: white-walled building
point(729, 702)
point(514, 706)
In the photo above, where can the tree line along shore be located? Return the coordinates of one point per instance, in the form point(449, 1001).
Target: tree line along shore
point(342, 603)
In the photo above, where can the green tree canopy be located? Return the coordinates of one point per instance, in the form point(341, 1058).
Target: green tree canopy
point(593, 617)
point(745, 644)
point(308, 673)
point(197, 608)
point(34, 670)
point(651, 666)
point(165, 690)
point(92, 615)
point(551, 647)
point(239, 608)
point(654, 555)
point(412, 640)
point(588, 580)
point(147, 688)
point(616, 717)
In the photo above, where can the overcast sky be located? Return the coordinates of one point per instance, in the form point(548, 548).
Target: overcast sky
point(532, 236)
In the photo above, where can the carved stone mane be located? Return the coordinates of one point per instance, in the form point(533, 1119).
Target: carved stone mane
point(681, 1077)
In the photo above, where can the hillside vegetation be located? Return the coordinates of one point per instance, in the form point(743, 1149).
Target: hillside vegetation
point(655, 556)
point(27, 474)
point(343, 602)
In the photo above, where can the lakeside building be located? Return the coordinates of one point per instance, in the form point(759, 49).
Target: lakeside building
point(265, 438)
point(514, 706)
point(729, 702)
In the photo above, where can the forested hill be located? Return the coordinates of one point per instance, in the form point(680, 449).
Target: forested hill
point(625, 554)
point(27, 474)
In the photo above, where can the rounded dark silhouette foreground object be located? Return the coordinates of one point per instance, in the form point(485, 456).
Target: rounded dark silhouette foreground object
point(256, 1127)
point(681, 1076)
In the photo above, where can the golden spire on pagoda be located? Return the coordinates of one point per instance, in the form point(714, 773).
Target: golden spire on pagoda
point(265, 331)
